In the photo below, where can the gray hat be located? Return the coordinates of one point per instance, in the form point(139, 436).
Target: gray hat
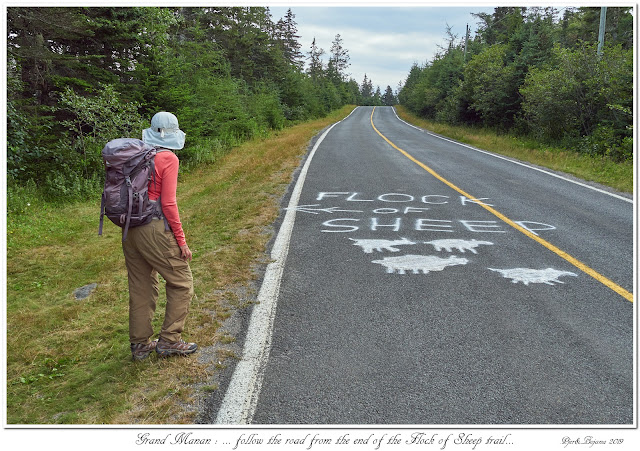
point(164, 132)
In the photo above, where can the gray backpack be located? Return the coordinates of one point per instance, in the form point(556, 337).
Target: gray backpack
point(129, 165)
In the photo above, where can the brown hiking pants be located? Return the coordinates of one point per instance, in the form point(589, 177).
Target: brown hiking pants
point(149, 250)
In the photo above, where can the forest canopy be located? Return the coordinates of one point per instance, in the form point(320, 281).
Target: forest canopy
point(79, 77)
point(536, 72)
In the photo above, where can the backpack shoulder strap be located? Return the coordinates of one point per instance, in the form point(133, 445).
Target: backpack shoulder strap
point(102, 205)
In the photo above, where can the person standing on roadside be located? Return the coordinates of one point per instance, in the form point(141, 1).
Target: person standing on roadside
point(154, 249)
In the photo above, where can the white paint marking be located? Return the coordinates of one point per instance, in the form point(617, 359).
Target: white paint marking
point(368, 246)
point(425, 201)
point(415, 210)
point(465, 200)
point(528, 225)
point(315, 211)
point(241, 398)
point(396, 197)
point(322, 195)
point(352, 198)
point(375, 225)
point(547, 276)
point(480, 226)
point(386, 211)
point(333, 223)
point(419, 263)
point(424, 224)
point(460, 245)
point(516, 162)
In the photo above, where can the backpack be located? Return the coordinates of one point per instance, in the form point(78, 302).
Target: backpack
point(129, 165)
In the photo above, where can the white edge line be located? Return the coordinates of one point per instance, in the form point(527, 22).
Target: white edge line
point(241, 398)
point(515, 162)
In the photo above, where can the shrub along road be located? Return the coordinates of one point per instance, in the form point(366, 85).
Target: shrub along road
point(427, 282)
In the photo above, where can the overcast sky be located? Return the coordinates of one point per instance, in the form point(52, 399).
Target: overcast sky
point(383, 42)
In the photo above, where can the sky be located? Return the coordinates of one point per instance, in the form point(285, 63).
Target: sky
point(383, 41)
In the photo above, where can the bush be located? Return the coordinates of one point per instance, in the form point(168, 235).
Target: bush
point(604, 142)
point(491, 82)
point(203, 151)
point(264, 106)
point(581, 94)
point(92, 122)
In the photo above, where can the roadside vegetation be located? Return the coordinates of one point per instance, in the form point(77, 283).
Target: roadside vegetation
point(538, 74)
point(79, 77)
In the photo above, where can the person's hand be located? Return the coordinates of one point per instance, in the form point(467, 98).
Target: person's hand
point(185, 253)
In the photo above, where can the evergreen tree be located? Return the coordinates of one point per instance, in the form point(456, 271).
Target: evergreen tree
point(316, 67)
point(338, 61)
point(366, 91)
point(377, 97)
point(582, 25)
point(389, 98)
point(286, 33)
point(353, 92)
point(244, 36)
point(497, 28)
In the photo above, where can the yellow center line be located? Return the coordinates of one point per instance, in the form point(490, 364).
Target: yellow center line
point(575, 262)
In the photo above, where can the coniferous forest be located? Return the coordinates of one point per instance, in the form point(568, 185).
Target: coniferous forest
point(78, 77)
point(536, 72)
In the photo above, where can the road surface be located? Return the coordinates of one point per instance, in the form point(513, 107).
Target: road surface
point(425, 282)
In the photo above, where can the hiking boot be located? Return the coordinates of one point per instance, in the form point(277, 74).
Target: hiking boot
point(167, 348)
point(140, 351)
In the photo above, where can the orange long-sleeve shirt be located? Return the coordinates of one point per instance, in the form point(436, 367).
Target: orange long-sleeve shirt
point(165, 186)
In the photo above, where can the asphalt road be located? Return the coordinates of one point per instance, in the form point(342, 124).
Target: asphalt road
point(403, 301)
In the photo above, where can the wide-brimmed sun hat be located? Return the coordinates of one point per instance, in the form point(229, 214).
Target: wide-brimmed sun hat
point(164, 132)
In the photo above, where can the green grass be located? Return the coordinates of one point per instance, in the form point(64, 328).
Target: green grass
point(618, 176)
point(68, 361)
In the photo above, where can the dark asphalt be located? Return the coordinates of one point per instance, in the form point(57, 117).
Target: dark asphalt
point(468, 321)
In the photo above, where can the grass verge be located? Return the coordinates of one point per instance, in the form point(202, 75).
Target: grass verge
point(618, 176)
point(68, 360)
